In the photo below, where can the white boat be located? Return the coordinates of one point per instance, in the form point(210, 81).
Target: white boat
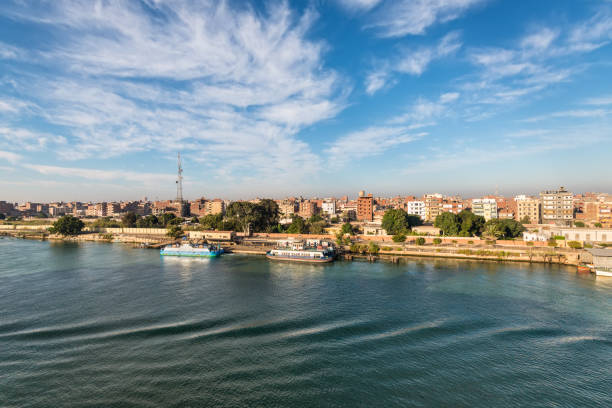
point(187, 249)
point(603, 272)
point(313, 251)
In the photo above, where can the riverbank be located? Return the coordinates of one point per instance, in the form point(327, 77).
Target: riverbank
point(387, 253)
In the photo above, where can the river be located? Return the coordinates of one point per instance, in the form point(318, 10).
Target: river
point(105, 325)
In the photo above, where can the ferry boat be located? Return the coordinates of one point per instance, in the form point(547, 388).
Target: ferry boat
point(313, 251)
point(187, 249)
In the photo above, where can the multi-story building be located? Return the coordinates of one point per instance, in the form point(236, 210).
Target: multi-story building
point(214, 207)
point(287, 208)
point(96, 210)
point(433, 205)
point(329, 207)
point(557, 206)
point(485, 207)
point(416, 208)
point(6, 208)
point(113, 209)
point(529, 207)
point(365, 207)
point(307, 208)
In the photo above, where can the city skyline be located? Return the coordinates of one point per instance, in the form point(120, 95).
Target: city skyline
point(271, 99)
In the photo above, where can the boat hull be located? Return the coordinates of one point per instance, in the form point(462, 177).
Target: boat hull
point(302, 260)
point(600, 272)
point(192, 255)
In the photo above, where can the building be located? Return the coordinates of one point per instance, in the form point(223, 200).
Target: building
point(6, 208)
point(528, 207)
point(557, 207)
point(433, 206)
point(329, 207)
point(96, 210)
point(416, 208)
point(307, 209)
point(214, 207)
point(287, 208)
point(485, 207)
point(113, 209)
point(365, 207)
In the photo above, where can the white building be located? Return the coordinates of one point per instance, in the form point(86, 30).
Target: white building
point(329, 207)
point(485, 207)
point(416, 208)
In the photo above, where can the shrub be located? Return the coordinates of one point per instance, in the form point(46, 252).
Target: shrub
point(470, 242)
point(174, 231)
point(490, 242)
point(597, 225)
point(579, 224)
point(552, 242)
point(399, 237)
point(437, 241)
point(587, 245)
point(386, 248)
point(420, 241)
point(454, 241)
point(530, 243)
point(574, 244)
point(373, 248)
point(558, 237)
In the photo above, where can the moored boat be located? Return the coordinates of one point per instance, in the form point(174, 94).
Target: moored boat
point(603, 272)
point(313, 251)
point(584, 268)
point(187, 249)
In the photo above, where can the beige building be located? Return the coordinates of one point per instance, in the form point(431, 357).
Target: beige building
point(485, 207)
point(557, 207)
point(528, 207)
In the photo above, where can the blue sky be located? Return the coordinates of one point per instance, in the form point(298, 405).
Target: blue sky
point(303, 98)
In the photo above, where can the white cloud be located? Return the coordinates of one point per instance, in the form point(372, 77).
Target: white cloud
point(602, 100)
point(412, 17)
point(412, 62)
point(369, 142)
point(10, 157)
point(231, 86)
point(101, 175)
point(424, 110)
point(359, 5)
point(449, 97)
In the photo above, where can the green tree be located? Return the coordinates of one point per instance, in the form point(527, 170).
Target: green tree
point(67, 225)
point(165, 218)
point(598, 225)
point(174, 231)
point(2, 216)
point(298, 226)
point(195, 220)
point(503, 228)
point(258, 217)
point(579, 224)
point(401, 237)
point(525, 220)
point(150, 221)
point(574, 244)
point(212, 221)
point(448, 223)
point(437, 241)
point(315, 218)
point(129, 220)
point(420, 241)
point(373, 248)
point(347, 228)
point(317, 227)
point(397, 221)
point(470, 224)
point(105, 222)
point(269, 214)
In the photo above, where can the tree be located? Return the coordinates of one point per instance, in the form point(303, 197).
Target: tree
point(598, 225)
point(150, 221)
point(574, 244)
point(401, 237)
point(317, 227)
point(347, 228)
point(174, 231)
point(165, 218)
point(420, 241)
point(525, 220)
point(67, 225)
point(298, 226)
point(2, 216)
point(269, 214)
point(397, 221)
point(504, 228)
point(470, 224)
point(334, 220)
point(105, 222)
point(262, 216)
point(437, 241)
point(579, 224)
point(195, 220)
point(373, 248)
point(129, 220)
point(448, 223)
point(212, 221)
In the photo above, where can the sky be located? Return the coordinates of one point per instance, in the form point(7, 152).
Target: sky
point(313, 98)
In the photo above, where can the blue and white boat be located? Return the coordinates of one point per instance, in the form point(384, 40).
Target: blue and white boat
point(187, 249)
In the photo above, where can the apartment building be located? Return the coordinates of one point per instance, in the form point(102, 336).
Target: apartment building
point(529, 207)
point(433, 205)
point(307, 208)
point(214, 207)
point(557, 206)
point(329, 207)
point(485, 207)
point(416, 208)
point(365, 207)
point(287, 208)
point(96, 210)
point(6, 208)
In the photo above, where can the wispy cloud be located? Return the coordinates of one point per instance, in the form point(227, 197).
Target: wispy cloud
point(10, 157)
point(412, 61)
point(413, 17)
point(101, 175)
point(207, 78)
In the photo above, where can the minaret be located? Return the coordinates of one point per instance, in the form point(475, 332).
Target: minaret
point(179, 181)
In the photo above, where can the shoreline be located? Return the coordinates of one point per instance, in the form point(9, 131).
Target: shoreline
point(496, 254)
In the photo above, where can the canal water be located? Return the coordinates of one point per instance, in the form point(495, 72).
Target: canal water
point(107, 325)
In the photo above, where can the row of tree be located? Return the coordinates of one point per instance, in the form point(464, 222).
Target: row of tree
point(468, 224)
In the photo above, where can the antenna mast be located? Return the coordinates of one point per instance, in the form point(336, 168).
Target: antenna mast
point(179, 181)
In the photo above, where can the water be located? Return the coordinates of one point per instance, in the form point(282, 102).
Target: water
point(91, 325)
